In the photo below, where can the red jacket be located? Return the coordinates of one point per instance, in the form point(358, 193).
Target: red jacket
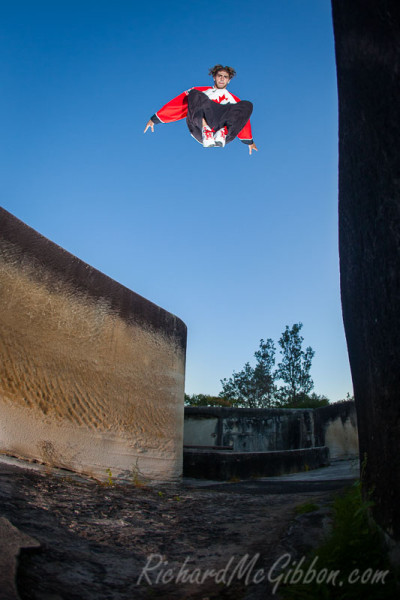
point(177, 109)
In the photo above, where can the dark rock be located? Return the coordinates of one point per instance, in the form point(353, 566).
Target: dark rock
point(97, 539)
point(367, 44)
point(11, 541)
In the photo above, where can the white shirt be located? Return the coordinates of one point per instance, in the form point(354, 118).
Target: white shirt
point(220, 96)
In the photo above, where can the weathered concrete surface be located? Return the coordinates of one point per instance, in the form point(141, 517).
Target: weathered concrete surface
point(11, 541)
point(96, 539)
point(332, 477)
point(92, 375)
point(249, 429)
point(336, 427)
point(263, 430)
point(225, 464)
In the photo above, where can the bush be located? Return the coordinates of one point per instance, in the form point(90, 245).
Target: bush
point(307, 401)
point(205, 400)
point(354, 549)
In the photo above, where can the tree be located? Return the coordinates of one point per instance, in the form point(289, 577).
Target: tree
point(294, 369)
point(308, 401)
point(253, 387)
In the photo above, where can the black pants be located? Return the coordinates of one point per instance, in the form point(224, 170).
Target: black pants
point(232, 116)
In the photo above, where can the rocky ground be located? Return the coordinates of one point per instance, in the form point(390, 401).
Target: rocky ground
point(100, 542)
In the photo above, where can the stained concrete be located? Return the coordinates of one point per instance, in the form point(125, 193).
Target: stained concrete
point(336, 425)
point(273, 429)
point(91, 373)
point(336, 475)
point(226, 465)
point(250, 429)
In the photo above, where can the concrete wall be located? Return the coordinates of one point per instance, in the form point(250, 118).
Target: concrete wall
point(92, 374)
point(249, 430)
point(336, 426)
point(224, 464)
point(261, 430)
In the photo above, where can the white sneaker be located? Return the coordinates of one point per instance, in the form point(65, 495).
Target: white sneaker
point(208, 138)
point(220, 137)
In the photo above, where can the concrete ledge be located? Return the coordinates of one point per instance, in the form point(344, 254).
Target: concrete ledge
point(222, 465)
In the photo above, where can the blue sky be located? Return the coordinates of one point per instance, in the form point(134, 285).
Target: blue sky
point(237, 246)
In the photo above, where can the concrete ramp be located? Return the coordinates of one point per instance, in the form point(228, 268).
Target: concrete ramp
point(91, 374)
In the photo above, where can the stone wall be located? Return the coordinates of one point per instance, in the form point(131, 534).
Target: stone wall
point(92, 374)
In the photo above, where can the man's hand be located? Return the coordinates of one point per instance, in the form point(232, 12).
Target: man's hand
point(252, 147)
point(151, 125)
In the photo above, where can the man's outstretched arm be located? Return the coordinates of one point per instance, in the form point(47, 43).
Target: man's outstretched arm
point(150, 124)
point(246, 137)
point(252, 147)
point(174, 110)
point(250, 143)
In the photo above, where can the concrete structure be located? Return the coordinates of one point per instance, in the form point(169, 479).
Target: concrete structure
point(223, 465)
point(249, 429)
point(336, 428)
point(91, 374)
point(271, 429)
point(221, 443)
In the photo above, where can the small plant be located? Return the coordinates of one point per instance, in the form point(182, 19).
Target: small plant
point(138, 479)
point(306, 507)
point(109, 479)
point(161, 494)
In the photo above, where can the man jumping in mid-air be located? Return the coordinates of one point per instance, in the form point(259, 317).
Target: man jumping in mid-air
point(214, 116)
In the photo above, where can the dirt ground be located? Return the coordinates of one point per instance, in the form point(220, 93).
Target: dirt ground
point(171, 541)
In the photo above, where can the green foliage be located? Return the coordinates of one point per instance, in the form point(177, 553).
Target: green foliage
point(205, 400)
point(256, 387)
point(253, 387)
point(109, 477)
point(354, 549)
point(348, 398)
point(308, 401)
point(294, 368)
point(306, 507)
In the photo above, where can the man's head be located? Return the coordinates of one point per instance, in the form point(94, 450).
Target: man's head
point(222, 75)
